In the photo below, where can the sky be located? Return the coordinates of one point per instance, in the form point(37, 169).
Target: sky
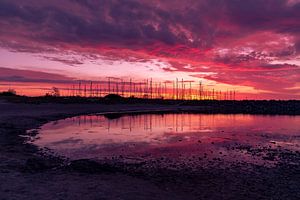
point(251, 46)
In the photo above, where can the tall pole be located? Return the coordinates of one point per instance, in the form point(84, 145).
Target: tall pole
point(156, 90)
point(233, 94)
point(159, 90)
point(91, 89)
point(165, 92)
point(151, 88)
point(147, 89)
point(190, 90)
point(100, 90)
point(177, 92)
point(122, 87)
point(117, 87)
point(134, 92)
point(182, 90)
point(141, 90)
point(73, 88)
point(79, 88)
point(130, 88)
point(97, 90)
point(173, 90)
point(200, 90)
point(108, 85)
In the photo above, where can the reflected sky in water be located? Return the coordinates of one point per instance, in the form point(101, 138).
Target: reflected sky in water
point(173, 136)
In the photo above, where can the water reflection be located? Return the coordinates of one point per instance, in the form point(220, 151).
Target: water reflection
point(174, 136)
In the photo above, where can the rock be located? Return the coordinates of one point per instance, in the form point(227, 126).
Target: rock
point(90, 166)
point(36, 165)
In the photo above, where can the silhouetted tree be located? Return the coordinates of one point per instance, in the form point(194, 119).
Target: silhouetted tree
point(54, 92)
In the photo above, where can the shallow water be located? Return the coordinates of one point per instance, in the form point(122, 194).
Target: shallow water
point(173, 137)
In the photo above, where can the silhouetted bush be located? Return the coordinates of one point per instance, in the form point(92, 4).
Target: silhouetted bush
point(113, 98)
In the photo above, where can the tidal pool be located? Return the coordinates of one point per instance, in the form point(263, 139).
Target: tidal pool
point(173, 137)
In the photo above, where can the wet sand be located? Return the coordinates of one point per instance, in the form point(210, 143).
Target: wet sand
point(26, 173)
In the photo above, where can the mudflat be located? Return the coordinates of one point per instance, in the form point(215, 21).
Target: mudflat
point(27, 173)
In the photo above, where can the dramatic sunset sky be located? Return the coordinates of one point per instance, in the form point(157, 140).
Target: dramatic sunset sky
point(252, 46)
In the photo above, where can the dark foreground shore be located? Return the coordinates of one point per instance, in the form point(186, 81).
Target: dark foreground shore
point(26, 173)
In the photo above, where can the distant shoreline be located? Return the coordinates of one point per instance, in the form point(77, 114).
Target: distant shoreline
point(267, 107)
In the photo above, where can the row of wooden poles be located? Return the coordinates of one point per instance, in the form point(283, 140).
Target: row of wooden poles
point(148, 89)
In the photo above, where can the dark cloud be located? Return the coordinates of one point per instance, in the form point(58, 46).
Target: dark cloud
point(17, 75)
point(52, 24)
point(140, 22)
point(70, 62)
point(265, 14)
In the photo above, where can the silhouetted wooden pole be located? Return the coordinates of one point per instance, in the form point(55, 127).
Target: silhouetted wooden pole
point(159, 90)
point(173, 95)
point(129, 87)
point(145, 88)
point(116, 86)
point(165, 92)
point(91, 89)
point(151, 89)
point(141, 89)
point(177, 88)
point(134, 89)
point(73, 90)
point(79, 88)
point(227, 97)
point(108, 85)
point(207, 94)
point(100, 95)
point(97, 90)
point(200, 94)
point(182, 89)
point(155, 90)
point(122, 87)
point(190, 90)
point(183, 94)
point(234, 95)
